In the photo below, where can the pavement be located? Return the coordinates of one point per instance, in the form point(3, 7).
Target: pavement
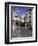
point(18, 31)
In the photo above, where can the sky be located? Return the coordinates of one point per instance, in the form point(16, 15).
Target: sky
point(20, 10)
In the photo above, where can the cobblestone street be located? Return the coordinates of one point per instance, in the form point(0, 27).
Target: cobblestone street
point(21, 31)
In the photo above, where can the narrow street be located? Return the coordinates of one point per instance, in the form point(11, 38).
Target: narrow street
point(19, 31)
